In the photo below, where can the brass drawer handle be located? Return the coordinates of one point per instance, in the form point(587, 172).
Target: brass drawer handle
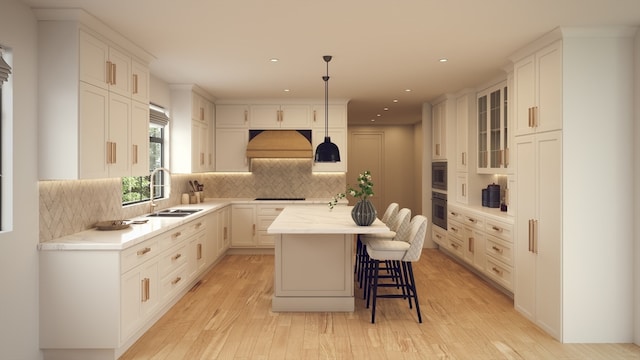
point(497, 249)
point(143, 251)
point(496, 270)
point(176, 257)
point(176, 280)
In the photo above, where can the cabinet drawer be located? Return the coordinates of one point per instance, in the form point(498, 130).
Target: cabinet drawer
point(138, 254)
point(500, 249)
point(474, 221)
point(499, 229)
point(270, 210)
point(455, 214)
point(456, 246)
point(172, 283)
point(501, 273)
point(456, 230)
point(172, 259)
point(439, 237)
point(181, 233)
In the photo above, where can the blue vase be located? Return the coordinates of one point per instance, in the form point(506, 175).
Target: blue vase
point(364, 213)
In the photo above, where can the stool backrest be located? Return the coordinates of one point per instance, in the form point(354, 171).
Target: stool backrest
point(400, 224)
point(392, 211)
point(417, 233)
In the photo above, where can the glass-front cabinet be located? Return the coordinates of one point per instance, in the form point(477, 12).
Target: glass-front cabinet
point(493, 134)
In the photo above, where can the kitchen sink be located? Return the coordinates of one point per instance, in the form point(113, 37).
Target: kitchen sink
point(174, 213)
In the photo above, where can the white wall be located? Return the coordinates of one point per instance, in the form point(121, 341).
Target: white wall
point(18, 253)
point(598, 162)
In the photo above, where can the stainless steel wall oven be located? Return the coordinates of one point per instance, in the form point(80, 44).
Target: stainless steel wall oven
point(439, 175)
point(439, 209)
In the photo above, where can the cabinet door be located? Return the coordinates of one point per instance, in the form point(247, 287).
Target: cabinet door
point(462, 126)
point(295, 116)
point(235, 116)
point(549, 88)
point(493, 130)
point(139, 297)
point(524, 97)
point(94, 55)
point(199, 146)
point(337, 117)
point(438, 131)
point(139, 81)
point(121, 72)
point(243, 225)
point(139, 139)
point(119, 125)
point(538, 229)
point(265, 116)
point(462, 188)
point(94, 117)
point(231, 149)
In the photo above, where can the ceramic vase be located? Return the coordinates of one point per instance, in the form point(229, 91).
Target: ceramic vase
point(364, 213)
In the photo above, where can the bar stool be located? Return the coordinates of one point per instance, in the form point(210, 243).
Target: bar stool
point(401, 253)
point(398, 223)
point(389, 214)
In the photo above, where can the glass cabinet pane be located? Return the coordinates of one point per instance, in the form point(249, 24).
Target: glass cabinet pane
point(494, 136)
point(482, 132)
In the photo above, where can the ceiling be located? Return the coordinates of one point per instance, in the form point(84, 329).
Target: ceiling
point(379, 48)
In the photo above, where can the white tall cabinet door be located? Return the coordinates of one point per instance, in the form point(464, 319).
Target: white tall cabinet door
point(94, 117)
point(119, 125)
point(539, 229)
point(243, 225)
point(139, 139)
point(538, 91)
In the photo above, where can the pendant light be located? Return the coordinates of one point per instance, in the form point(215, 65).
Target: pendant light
point(327, 151)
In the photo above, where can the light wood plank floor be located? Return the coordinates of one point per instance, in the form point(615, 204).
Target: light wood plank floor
point(228, 316)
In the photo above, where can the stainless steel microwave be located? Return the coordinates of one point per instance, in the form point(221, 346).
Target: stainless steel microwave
point(439, 175)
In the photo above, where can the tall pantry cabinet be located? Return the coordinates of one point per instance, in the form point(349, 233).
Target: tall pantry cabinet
point(571, 258)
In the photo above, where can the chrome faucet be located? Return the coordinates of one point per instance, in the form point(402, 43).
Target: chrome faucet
point(151, 185)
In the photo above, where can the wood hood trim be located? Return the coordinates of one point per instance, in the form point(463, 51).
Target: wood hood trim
point(279, 144)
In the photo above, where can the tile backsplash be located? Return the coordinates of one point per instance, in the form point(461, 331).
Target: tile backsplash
point(68, 207)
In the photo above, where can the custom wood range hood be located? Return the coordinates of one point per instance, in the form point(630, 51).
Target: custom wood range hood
point(280, 144)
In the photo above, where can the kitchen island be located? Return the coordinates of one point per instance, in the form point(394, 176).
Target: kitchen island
point(314, 258)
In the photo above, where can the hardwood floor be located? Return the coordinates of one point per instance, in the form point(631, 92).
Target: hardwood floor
point(228, 316)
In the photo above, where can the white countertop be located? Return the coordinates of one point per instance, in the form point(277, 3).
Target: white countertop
point(94, 239)
point(319, 219)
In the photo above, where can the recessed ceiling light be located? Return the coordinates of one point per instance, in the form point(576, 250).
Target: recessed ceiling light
point(274, 60)
point(407, 90)
point(443, 60)
point(286, 90)
point(386, 109)
point(373, 120)
point(395, 100)
point(378, 115)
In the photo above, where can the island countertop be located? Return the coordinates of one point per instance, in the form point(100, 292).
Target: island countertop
point(319, 219)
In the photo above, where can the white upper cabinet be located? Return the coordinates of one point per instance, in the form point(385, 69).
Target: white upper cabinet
point(439, 131)
point(280, 116)
point(337, 116)
point(538, 91)
point(139, 81)
point(493, 130)
point(232, 116)
point(192, 140)
point(86, 101)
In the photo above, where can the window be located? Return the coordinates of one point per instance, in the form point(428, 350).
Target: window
point(5, 71)
point(136, 189)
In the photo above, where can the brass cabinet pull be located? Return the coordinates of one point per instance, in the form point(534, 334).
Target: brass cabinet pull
point(472, 220)
point(456, 246)
point(145, 290)
point(314, 115)
point(199, 252)
point(438, 236)
point(464, 190)
point(176, 280)
point(535, 117)
point(506, 157)
point(246, 116)
point(497, 249)
point(113, 74)
point(109, 69)
point(198, 225)
point(176, 257)
point(464, 158)
point(496, 270)
point(471, 245)
point(530, 235)
point(254, 229)
point(495, 228)
point(279, 209)
point(225, 233)
point(454, 229)
point(529, 116)
point(135, 83)
point(535, 236)
point(143, 251)
point(176, 235)
point(453, 213)
point(438, 149)
point(135, 153)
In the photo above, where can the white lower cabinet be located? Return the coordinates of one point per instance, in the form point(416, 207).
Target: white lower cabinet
point(481, 241)
point(97, 303)
point(243, 225)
